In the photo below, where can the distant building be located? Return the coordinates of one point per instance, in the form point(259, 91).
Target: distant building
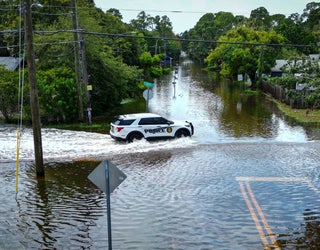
point(280, 64)
point(10, 63)
point(167, 62)
point(276, 70)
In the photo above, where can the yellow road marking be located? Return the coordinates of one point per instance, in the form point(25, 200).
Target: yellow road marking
point(312, 187)
point(255, 209)
point(255, 218)
point(263, 219)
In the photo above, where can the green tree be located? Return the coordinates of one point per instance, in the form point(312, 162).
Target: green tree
point(143, 22)
point(8, 93)
point(260, 19)
point(163, 26)
point(151, 65)
point(277, 19)
point(57, 95)
point(112, 79)
point(297, 35)
point(311, 13)
point(209, 27)
point(114, 12)
point(242, 51)
point(9, 25)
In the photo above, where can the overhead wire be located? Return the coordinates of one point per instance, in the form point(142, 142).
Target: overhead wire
point(48, 33)
point(20, 101)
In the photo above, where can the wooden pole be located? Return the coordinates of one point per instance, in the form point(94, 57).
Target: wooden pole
point(77, 60)
point(85, 76)
point(33, 88)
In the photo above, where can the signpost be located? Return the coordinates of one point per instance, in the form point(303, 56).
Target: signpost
point(107, 177)
point(147, 94)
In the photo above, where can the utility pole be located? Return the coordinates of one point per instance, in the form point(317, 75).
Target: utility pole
point(77, 60)
point(85, 77)
point(33, 88)
point(261, 66)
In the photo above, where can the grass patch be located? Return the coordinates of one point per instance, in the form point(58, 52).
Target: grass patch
point(300, 115)
point(102, 128)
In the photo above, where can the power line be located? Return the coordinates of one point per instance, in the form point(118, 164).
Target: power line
point(176, 39)
point(9, 7)
point(51, 33)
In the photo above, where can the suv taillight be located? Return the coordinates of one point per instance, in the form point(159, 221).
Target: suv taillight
point(119, 129)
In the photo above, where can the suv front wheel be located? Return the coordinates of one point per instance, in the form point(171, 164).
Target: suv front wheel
point(182, 133)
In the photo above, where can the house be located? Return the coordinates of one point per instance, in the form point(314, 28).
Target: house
point(167, 61)
point(281, 63)
point(276, 70)
point(10, 63)
point(314, 57)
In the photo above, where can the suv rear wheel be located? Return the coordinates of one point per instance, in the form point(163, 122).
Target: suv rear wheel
point(134, 136)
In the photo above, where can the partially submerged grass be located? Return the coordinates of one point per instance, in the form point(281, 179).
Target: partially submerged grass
point(300, 115)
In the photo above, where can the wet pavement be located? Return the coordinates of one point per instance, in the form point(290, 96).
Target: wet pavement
point(249, 180)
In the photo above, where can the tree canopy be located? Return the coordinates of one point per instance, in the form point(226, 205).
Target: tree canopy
point(112, 61)
point(242, 50)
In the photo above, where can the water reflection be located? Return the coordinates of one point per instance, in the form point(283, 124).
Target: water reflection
point(227, 111)
point(60, 210)
point(307, 236)
point(185, 198)
point(244, 115)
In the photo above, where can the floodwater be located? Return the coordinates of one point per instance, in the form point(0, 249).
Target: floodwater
point(247, 179)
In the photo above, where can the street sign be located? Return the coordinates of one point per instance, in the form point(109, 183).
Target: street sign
point(149, 84)
point(147, 94)
point(107, 177)
point(99, 178)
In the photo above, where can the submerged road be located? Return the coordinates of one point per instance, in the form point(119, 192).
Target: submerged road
point(247, 185)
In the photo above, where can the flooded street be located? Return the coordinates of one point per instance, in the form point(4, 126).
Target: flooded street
point(247, 179)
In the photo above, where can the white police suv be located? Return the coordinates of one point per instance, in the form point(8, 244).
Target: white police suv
point(132, 127)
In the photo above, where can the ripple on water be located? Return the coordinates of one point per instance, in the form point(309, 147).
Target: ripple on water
point(172, 199)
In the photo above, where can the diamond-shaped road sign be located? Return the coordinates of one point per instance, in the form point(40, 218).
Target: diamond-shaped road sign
point(99, 176)
point(147, 94)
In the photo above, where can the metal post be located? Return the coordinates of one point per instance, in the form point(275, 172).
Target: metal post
point(148, 96)
point(108, 206)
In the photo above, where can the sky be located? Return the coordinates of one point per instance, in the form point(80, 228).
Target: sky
point(184, 14)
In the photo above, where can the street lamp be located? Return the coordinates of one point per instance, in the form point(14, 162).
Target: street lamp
point(33, 88)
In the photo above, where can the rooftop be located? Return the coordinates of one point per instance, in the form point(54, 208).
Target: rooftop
point(10, 63)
